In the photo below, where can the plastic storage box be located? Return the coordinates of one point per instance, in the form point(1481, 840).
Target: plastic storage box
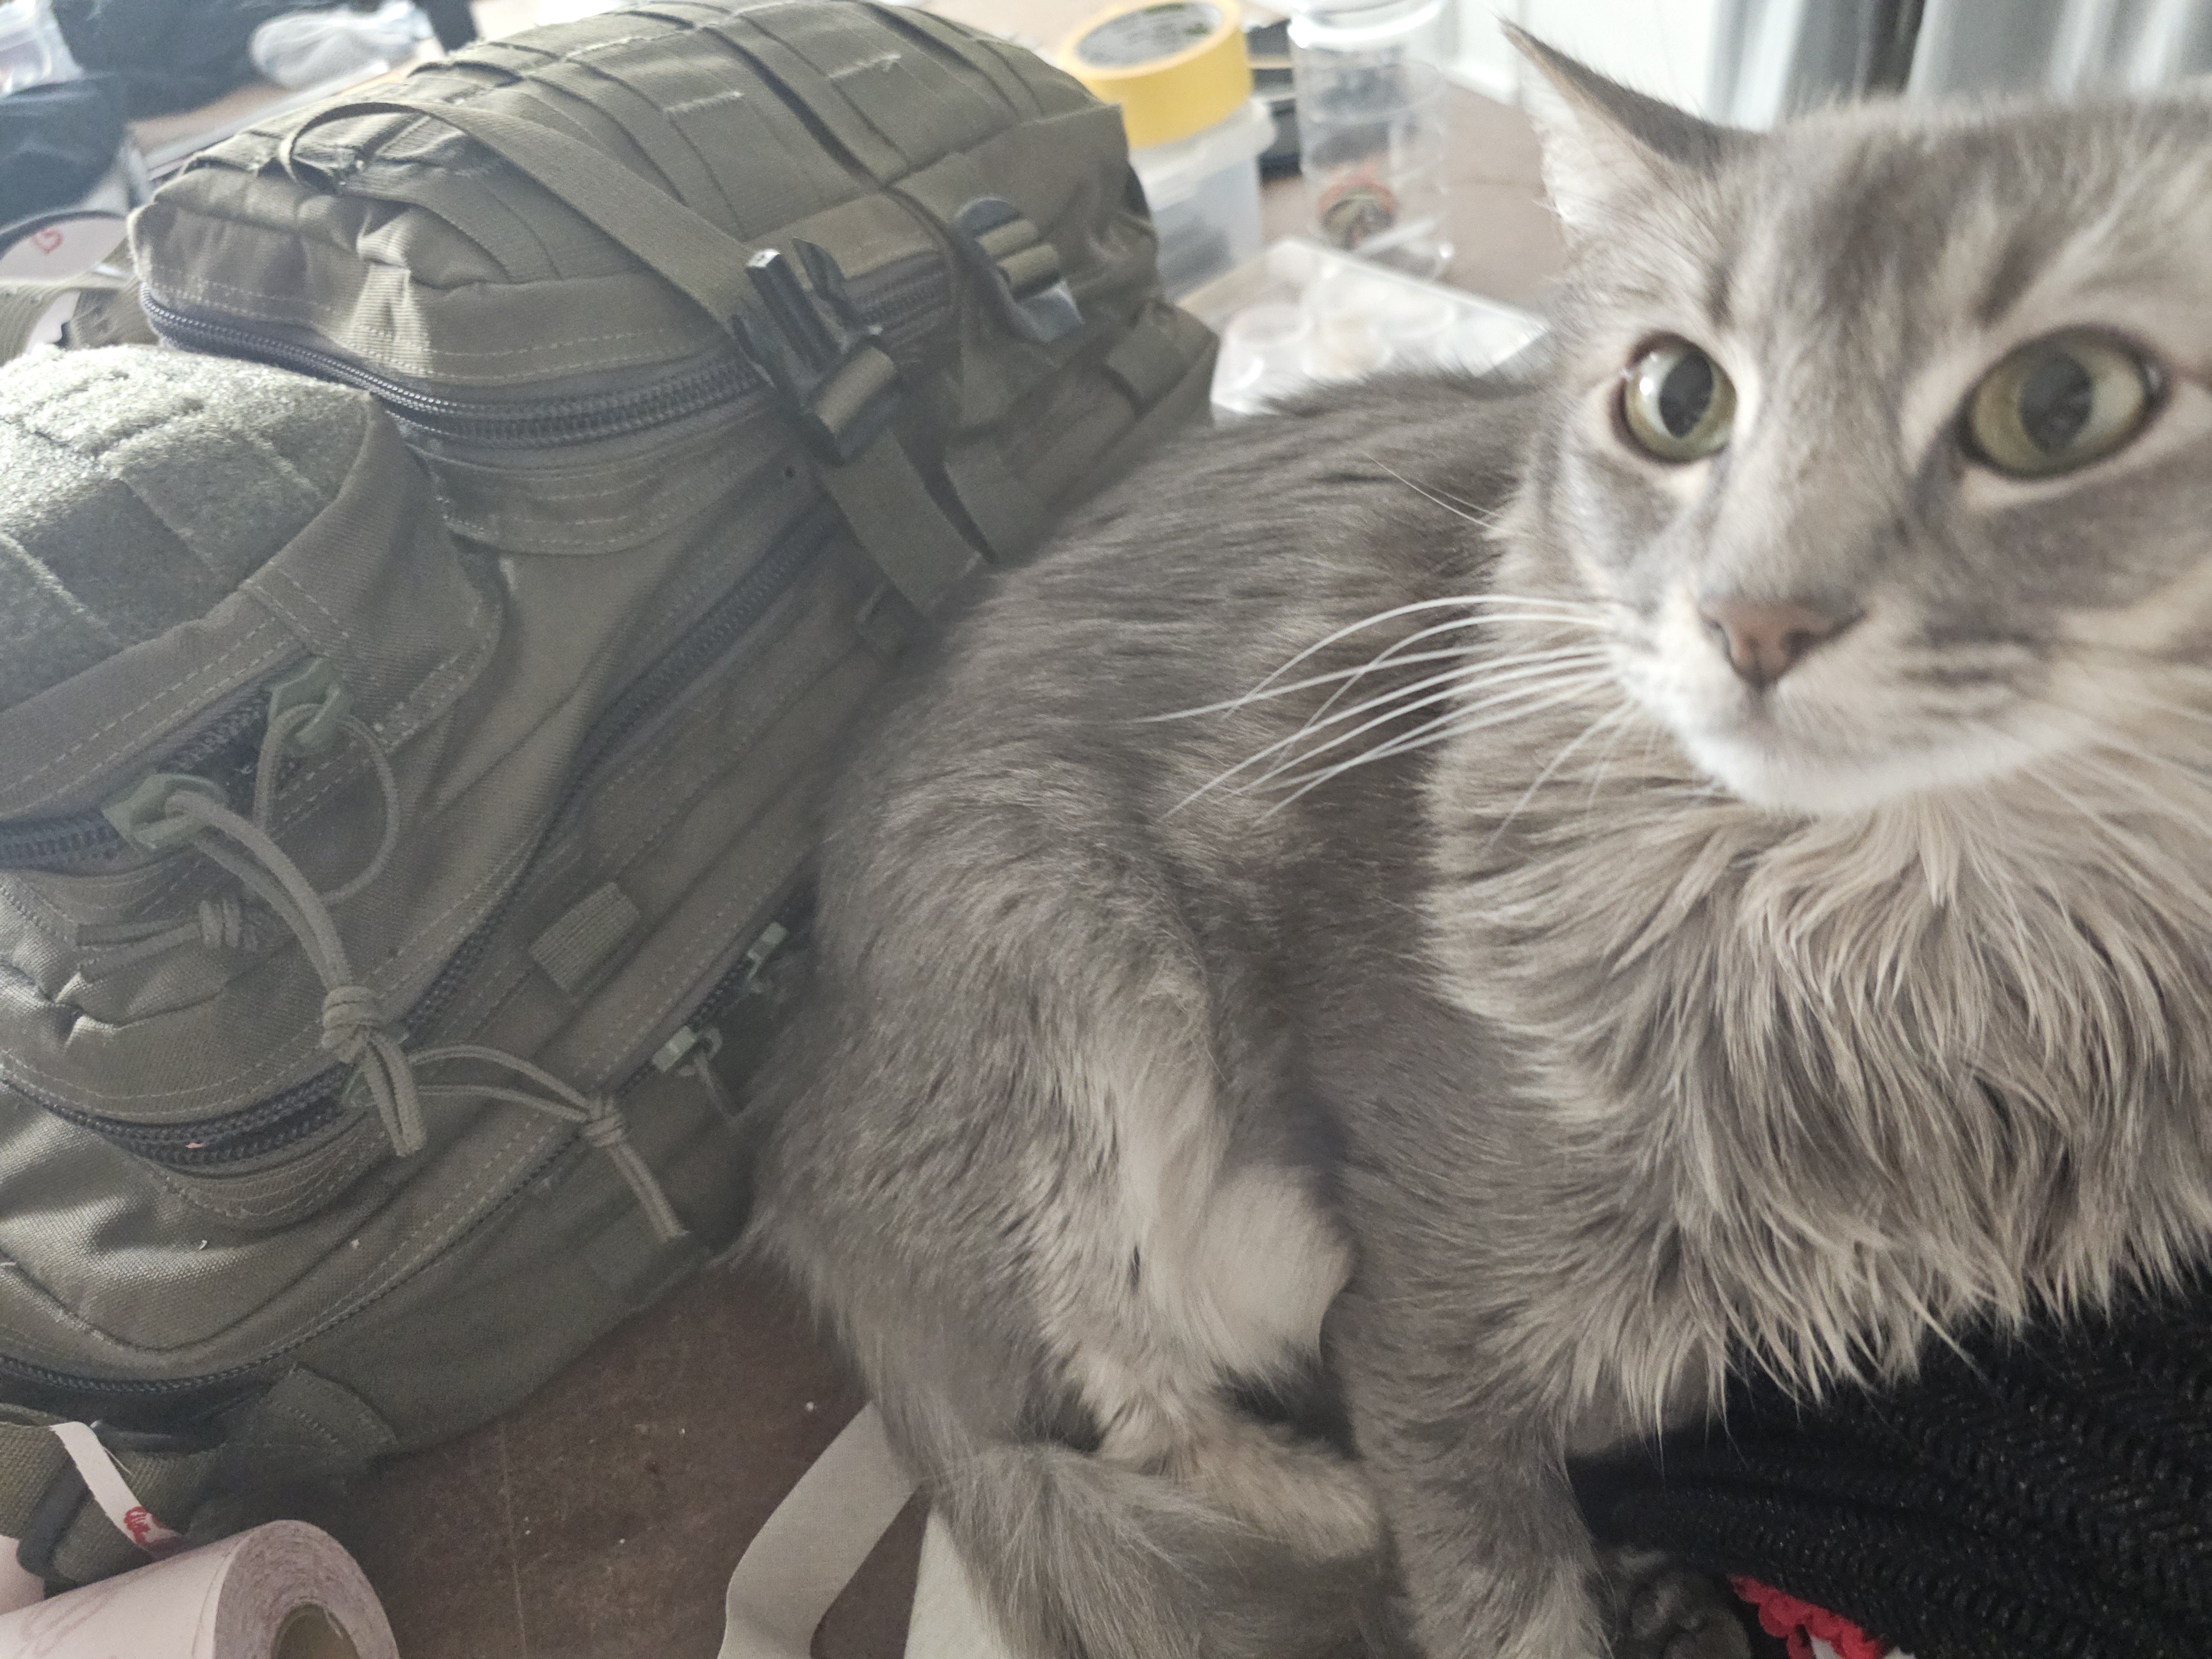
point(1302, 313)
point(1204, 192)
point(1179, 71)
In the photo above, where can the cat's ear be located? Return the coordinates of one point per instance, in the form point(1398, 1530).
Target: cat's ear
point(1605, 145)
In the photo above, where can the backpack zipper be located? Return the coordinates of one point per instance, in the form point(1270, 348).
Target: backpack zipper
point(907, 298)
point(88, 838)
point(314, 1103)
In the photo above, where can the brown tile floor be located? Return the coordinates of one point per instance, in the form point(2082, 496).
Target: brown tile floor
point(600, 1519)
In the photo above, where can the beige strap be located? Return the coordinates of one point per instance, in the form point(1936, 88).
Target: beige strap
point(24, 304)
point(813, 1544)
point(104, 1481)
point(949, 1620)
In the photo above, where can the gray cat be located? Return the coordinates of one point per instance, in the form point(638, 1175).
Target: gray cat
point(1433, 924)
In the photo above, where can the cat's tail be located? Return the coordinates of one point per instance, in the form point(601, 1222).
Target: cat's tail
point(1238, 1544)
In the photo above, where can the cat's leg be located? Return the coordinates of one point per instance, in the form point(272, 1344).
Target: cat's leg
point(1054, 1273)
point(1467, 1464)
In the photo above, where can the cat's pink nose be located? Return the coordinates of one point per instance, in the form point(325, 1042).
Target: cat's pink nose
point(1766, 638)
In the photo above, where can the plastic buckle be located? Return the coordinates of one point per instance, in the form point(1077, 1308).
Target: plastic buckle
point(141, 817)
point(1019, 268)
point(316, 683)
point(821, 353)
point(50, 1518)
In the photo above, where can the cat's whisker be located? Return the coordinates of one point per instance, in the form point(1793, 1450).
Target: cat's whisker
point(1471, 672)
point(1496, 666)
point(1457, 508)
point(1605, 756)
point(1462, 601)
point(1388, 656)
point(2143, 798)
point(1246, 699)
point(1480, 677)
point(1439, 732)
point(1445, 726)
point(2139, 860)
point(2110, 739)
point(2143, 695)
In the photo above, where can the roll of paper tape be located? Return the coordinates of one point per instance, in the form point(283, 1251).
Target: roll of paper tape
point(1176, 67)
point(283, 1591)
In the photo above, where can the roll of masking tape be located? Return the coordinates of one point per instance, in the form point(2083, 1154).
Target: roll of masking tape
point(1176, 67)
point(286, 1591)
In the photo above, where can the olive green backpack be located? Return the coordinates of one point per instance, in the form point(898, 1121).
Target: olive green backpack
point(408, 737)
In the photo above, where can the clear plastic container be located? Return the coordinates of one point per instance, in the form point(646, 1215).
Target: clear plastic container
point(1371, 126)
point(31, 50)
point(1300, 313)
point(1204, 192)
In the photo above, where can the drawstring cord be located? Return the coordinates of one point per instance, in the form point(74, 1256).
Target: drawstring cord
point(355, 1029)
point(601, 1119)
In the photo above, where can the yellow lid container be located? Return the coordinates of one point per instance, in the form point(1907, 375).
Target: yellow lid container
point(1176, 67)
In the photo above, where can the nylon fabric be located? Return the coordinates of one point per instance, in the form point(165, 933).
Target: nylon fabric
point(888, 505)
point(862, 145)
point(705, 264)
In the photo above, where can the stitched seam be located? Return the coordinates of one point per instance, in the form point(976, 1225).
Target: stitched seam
point(204, 287)
point(323, 1182)
point(299, 1420)
point(362, 1293)
point(207, 669)
point(455, 666)
point(671, 508)
point(396, 1270)
point(688, 969)
point(614, 479)
point(735, 740)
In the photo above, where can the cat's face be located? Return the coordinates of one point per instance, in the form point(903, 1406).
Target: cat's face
point(1887, 439)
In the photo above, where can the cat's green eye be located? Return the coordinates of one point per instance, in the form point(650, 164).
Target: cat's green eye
point(1676, 403)
point(2059, 402)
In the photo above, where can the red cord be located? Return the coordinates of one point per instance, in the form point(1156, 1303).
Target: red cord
point(1798, 1622)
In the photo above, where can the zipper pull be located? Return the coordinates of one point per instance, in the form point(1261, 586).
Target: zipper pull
point(690, 1049)
point(691, 1053)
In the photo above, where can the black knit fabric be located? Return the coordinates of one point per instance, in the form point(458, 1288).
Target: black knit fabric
point(2045, 1496)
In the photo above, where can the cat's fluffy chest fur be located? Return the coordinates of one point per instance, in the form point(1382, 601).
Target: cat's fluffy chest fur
point(1833, 1082)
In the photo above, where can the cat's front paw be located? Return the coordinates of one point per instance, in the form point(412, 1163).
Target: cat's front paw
point(1660, 1609)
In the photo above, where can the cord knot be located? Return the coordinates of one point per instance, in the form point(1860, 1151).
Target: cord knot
point(351, 1016)
point(603, 1127)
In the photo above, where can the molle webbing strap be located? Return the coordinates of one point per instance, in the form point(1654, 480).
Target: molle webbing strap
point(889, 509)
point(854, 135)
point(707, 264)
point(718, 114)
point(641, 119)
point(921, 554)
point(921, 109)
point(980, 54)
